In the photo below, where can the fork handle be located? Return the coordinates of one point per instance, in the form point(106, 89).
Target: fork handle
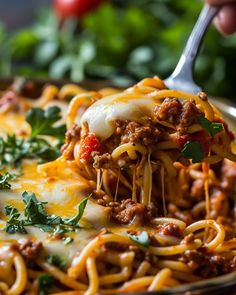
point(189, 55)
point(195, 40)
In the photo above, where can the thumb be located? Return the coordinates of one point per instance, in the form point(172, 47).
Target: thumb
point(225, 21)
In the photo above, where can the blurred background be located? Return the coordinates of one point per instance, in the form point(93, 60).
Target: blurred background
point(122, 41)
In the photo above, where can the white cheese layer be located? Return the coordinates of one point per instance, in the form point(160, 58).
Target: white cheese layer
point(101, 116)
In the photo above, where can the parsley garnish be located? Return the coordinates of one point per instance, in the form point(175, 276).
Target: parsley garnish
point(13, 150)
point(212, 127)
point(14, 224)
point(4, 184)
point(36, 215)
point(67, 240)
point(45, 283)
point(141, 239)
point(42, 122)
point(75, 219)
point(56, 260)
point(193, 150)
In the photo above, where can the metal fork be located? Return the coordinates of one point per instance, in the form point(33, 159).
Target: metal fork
point(182, 77)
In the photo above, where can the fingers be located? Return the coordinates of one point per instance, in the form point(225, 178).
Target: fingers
point(225, 21)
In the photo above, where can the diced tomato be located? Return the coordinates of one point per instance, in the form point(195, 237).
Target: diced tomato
point(90, 144)
point(202, 137)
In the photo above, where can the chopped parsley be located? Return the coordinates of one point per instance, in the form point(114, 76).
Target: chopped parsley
point(45, 284)
point(75, 219)
point(193, 150)
point(36, 215)
point(43, 122)
point(212, 127)
point(13, 149)
point(56, 260)
point(67, 240)
point(4, 184)
point(142, 239)
point(14, 224)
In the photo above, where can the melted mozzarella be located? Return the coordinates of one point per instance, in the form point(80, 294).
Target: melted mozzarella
point(101, 116)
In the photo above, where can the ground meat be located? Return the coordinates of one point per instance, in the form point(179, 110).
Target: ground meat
point(207, 265)
point(189, 113)
point(219, 204)
point(137, 133)
point(179, 114)
point(170, 110)
point(72, 136)
point(228, 176)
point(197, 190)
point(170, 229)
point(175, 212)
point(102, 161)
point(29, 250)
point(129, 212)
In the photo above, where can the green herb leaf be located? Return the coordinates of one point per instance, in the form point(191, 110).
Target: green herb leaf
point(73, 221)
point(4, 184)
point(62, 229)
point(45, 227)
point(13, 150)
point(45, 283)
point(14, 225)
point(42, 122)
point(193, 150)
point(57, 261)
point(67, 240)
point(141, 239)
point(9, 210)
point(212, 127)
point(34, 210)
point(36, 215)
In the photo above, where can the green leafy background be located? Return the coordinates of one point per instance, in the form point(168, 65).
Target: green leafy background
point(122, 43)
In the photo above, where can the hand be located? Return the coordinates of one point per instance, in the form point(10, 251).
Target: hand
point(225, 21)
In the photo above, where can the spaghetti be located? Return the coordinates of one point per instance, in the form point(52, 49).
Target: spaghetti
point(158, 167)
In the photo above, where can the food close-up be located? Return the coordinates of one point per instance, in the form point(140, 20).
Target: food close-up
point(114, 189)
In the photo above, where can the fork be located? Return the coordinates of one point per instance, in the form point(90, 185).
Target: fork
point(182, 77)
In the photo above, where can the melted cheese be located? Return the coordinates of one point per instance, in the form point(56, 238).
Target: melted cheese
point(63, 196)
point(59, 184)
point(13, 123)
point(101, 116)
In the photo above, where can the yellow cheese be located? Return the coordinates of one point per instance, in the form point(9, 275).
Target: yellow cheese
point(63, 196)
point(13, 123)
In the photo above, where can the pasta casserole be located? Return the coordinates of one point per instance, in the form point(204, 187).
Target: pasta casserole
point(110, 191)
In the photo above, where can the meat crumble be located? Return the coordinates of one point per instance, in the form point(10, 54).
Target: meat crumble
point(208, 265)
point(179, 114)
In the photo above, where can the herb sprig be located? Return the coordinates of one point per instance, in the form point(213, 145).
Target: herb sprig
point(4, 178)
point(193, 150)
point(212, 128)
point(43, 122)
point(36, 215)
point(13, 150)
